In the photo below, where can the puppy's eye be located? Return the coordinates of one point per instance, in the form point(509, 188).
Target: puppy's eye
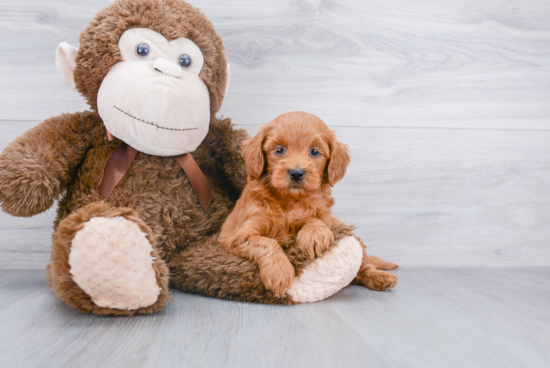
point(280, 151)
point(142, 50)
point(314, 152)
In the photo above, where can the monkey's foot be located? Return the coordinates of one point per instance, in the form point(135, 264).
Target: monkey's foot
point(329, 274)
point(111, 263)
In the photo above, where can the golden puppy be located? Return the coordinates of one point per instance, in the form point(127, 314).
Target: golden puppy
point(292, 163)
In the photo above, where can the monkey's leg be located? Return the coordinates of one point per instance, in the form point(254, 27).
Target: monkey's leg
point(104, 261)
point(207, 268)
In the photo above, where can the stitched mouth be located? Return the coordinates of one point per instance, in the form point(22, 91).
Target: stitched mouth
point(153, 124)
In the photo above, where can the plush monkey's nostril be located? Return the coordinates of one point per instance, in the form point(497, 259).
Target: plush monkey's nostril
point(296, 174)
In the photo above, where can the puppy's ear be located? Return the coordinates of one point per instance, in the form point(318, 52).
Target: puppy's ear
point(338, 161)
point(253, 153)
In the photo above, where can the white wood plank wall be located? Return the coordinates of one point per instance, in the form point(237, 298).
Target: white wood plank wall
point(445, 105)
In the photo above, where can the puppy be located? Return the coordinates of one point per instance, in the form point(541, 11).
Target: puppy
point(292, 163)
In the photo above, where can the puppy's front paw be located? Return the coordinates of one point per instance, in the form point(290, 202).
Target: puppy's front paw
point(314, 239)
point(277, 274)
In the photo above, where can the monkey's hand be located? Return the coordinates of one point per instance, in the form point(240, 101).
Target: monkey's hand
point(27, 184)
point(225, 144)
point(314, 238)
point(38, 166)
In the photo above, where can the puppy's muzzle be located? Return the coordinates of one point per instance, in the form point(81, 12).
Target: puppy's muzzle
point(296, 174)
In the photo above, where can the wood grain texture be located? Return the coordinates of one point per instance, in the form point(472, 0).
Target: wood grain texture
point(356, 63)
point(434, 318)
point(418, 197)
point(445, 106)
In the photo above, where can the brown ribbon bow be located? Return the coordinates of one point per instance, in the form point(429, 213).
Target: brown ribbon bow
point(122, 157)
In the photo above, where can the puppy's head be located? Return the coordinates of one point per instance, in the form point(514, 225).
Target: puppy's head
point(296, 154)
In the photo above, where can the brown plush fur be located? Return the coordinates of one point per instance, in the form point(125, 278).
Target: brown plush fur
point(63, 159)
point(173, 19)
point(274, 208)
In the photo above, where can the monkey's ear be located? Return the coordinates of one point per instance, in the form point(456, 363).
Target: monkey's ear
point(228, 80)
point(65, 56)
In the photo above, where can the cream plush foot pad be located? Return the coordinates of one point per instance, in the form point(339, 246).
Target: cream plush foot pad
point(111, 261)
point(329, 274)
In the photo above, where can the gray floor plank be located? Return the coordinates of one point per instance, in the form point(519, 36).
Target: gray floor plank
point(469, 317)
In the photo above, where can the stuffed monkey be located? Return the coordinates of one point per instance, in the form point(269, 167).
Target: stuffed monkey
point(146, 178)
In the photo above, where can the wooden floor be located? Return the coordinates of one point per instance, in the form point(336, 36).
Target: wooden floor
point(468, 317)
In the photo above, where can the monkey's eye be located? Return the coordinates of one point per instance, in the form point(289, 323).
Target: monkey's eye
point(184, 61)
point(280, 151)
point(314, 152)
point(142, 50)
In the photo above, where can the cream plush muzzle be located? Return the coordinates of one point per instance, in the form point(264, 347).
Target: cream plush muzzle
point(154, 112)
point(152, 102)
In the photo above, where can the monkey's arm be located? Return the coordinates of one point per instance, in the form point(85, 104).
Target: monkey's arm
point(225, 144)
point(37, 167)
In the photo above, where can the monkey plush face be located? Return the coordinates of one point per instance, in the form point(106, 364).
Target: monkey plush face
point(154, 100)
point(156, 88)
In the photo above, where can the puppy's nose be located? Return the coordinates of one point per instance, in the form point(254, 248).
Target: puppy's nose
point(296, 174)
